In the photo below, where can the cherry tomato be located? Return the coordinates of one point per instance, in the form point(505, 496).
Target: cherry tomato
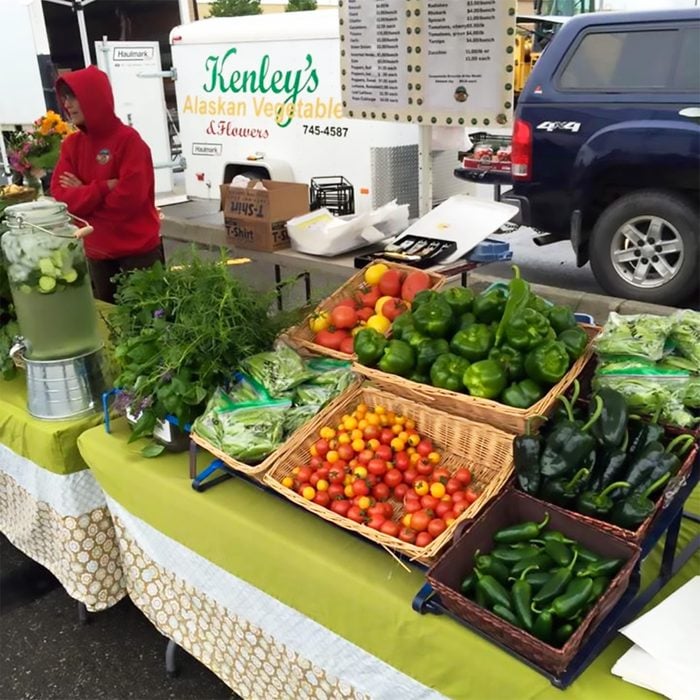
point(372, 480)
point(340, 507)
point(436, 527)
point(458, 496)
point(390, 528)
point(420, 520)
point(381, 491)
point(393, 308)
point(386, 436)
point(400, 491)
point(460, 507)
point(304, 474)
point(345, 452)
point(354, 513)
point(343, 317)
point(410, 476)
point(406, 534)
point(412, 505)
point(440, 475)
point(365, 456)
point(314, 479)
point(322, 499)
point(335, 491)
point(428, 501)
point(370, 297)
point(376, 509)
point(316, 462)
point(372, 432)
point(322, 447)
point(365, 313)
point(470, 496)
point(442, 508)
point(423, 539)
point(332, 339)
point(388, 509)
point(377, 467)
point(464, 476)
point(424, 467)
point(452, 486)
point(393, 478)
point(449, 516)
point(385, 452)
point(421, 487)
point(376, 522)
point(347, 302)
point(402, 461)
point(336, 474)
point(424, 448)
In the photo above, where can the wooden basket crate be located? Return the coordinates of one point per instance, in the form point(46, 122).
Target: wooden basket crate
point(515, 507)
point(485, 450)
point(498, 415)
point(269, 461)
point(303, 336)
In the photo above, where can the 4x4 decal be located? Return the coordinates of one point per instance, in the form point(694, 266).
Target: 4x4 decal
point(559, 126)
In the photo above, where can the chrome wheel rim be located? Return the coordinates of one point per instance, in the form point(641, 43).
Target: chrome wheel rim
point(647, 252)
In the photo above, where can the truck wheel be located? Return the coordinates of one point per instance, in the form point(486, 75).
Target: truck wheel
point(645, 246)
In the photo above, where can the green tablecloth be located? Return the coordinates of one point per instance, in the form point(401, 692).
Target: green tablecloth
point(342, 582)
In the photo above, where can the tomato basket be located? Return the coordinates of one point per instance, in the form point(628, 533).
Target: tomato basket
point(485, 450)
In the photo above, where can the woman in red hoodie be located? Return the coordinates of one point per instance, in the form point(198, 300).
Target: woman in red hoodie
point(105, 175)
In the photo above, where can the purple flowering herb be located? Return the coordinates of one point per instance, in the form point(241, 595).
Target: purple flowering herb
point(158, 313)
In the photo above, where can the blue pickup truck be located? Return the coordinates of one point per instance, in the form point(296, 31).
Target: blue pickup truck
point(606, 150)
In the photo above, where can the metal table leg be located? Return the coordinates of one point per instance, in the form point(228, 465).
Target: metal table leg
point(171, 667)
point(278, 285)
point(83, 616)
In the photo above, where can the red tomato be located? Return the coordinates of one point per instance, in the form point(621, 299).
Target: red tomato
point(376, 522)
point(322, 447)
point(458, 496)
point(347, 302)
point(336, 475)
point(406, 534)
point(464, 476)
point(390, 283)
point(345, 452)
point(470, 496)
point(448, 515)
point(304, 474)
point(343, 317)
point(423, 539)
point(424, 467)
point(429, 501)
point(365, 313)
point(354, 513)
point(360, 487)
point(452, 486)
point(381, 491)
point(393, 308)
point(393, 478)
point(420, 520)
point(365, 457)
point(370, 297)
point(331, 339)
point(415, 282)
point(441, 475)
point(384, 452)
point(340, 507)
point(402, 461)
point(314, 479)
point(372, 480)
point(411, 506)
point(386, 436)
point(372, 432)
point(442, 508)
point(460, 507)
point(436, 527)
point(336, 491)
point(400, 491)
point(377, 467)
point(390, 528)
point(316, 462)
point(376, 509)
point(322, 499)
point(347, 346)
point(388, 509)
point(424, 448)
point(409, 476)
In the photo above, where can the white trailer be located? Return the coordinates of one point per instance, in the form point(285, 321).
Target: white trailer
point(261, 95)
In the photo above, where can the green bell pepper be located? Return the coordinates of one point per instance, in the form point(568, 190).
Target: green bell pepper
point(490, 305)
point(428, 351)
point(485, 379)
point(512, 360)
point(398, 358)
point(528, 329)
point(547, 363)
point(402, 325)
point(575, 341)
point(561, 318)
point(424, 297)
point(419, 377)
point(518, 296)
point(460, 299)
point(465, 320)
point(433, 318)
point(414, 339)
point(538, 304)
point(369, 346)
point(473, 343)
point(447, 372)
point(522, 394)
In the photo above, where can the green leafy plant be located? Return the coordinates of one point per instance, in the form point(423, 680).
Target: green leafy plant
point(301, 5)
point(234, 8)
point(180, 331)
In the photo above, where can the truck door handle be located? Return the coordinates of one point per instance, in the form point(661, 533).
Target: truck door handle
point(692, 112)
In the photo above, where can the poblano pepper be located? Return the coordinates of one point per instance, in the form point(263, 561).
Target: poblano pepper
point(569, 446)
point(563, 491)
point(473, 343)
point(641, 465)
point(447, 372)
point(670, 461)
point(547, 363)
point(610, 465)
point(398, 358)
point(433, 319)
point(485, 379)
point(632, 511)
point(527, 329)
point(428, 351)
point(599, 505)
point(611, 426)
point(575, 340)
point(522, 394)
point(490, 305)
point(561, 318)
point(369, 346)
point(527, 449)
point(643, 433)
point(512, 360)
point(518, 296)
point(460, 299)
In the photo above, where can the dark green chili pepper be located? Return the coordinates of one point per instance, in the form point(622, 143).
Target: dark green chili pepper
point(563, 632)
point(557, 583)
point(487, 564)
point(495, 592)
point(563, 491)
point(537, 579)
point(611, 425)
point(556, 536)
point(599, 505)
point(542, 561)
point(643, 464)
point(522, 532)
point(518, 297)
point(480, 597)
point(527, 449)
point(559, 552)
point(670, 461)
point(505, 614)
point(611, 466)
point(585, 555)
point(510, 555)
point(632, 511)
point(467, 585)
point(642, 434)
point(600, 585)
point(542, 627)
point(569, 603)
point(521, 595)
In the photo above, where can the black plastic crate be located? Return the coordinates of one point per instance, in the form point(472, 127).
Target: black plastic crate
point(334, 193)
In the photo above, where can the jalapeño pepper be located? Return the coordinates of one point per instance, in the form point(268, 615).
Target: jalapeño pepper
point(369, 346)
point(518, 296)
point(631, 512)
point(611, 426)
point(557, 582)
point(599, 505)
point(573, 600)
point(511, 359)
point(485, 379)
point(521, 595)
point(563, 632)
point(522, 394)
point(494, 592)
point(487, 564)
point(537, 579)
point(506, 614)
point(542, 627)
point(523, 532)
point(561, 318)
point(547, 363)
point(473, 343)
point(556, 536)
point(490, 305)
point(510, 555)
point(559, 552)
point(460, 299)
point(526, 458)
point(467, 585)
point(447, 372)
point(575, 340)
point(602, 567)
point(541, 561)
point(527, 329)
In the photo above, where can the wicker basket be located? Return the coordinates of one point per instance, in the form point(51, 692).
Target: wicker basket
point(515, 507)
point(512, 420)
point(303, 336)
point(260, 468)
point(487, 452)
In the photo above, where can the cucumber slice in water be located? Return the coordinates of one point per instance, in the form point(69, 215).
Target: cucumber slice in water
point(47, 267)
point(47, 284)
point(69, 276)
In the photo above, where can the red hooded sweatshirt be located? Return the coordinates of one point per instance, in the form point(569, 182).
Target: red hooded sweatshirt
point(125, 219)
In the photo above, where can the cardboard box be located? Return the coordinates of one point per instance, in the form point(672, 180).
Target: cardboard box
point(257, 219)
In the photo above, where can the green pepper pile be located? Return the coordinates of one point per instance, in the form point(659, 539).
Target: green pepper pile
point(602, 465)
point(508, 345)
point(539, 580)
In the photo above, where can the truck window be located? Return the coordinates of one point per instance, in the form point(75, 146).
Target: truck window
point(687, 78)
point(622, 61)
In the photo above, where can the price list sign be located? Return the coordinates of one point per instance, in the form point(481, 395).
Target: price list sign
point(431, 62)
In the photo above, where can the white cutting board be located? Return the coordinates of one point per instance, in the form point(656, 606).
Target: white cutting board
point(463, 219)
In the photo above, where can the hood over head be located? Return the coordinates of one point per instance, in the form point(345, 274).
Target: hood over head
point(94, 93)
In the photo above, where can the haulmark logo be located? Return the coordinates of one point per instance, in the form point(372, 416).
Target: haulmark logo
point(133, 54)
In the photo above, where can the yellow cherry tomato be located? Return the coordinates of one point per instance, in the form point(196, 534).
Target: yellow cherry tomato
point(406, 520)
point(359, 472)
point(344, 439)
point(322, 485)
point(396, 429)
point(403, 435)
point(348, 491)
point(380, 304)
point(372, 419)
point(327, 432)
point(421, 487)
point(374, 273)
point(348, 480)
point(397, 444)
point(313, 451)
point(413, 439)
point(415, 458)
point(380, 410)
point(350, 423)
point(361, 408)
point(364, 502)
point(410, 425)
point(288, 481)
point(295, 471)
point(411, 450)
point(332, 456)
point(373, 443)
point(437, 490)
point(358, 445)
point(308, 493)
point(362, 423)
point(379, 323)
point(434, 457)
point(320, 321)
point(357, 434)
point(400, 420)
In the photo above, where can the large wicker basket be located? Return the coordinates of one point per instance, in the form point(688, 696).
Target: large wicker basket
point(260, 468)
point(303, 336)
point(513, 420)
point(485, 450)
point(515, 507)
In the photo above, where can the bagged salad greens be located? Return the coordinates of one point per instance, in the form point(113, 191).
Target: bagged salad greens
point(642, 335)
point(692, 393)
point(685, 332)
point(298, 416)
point(278, 371)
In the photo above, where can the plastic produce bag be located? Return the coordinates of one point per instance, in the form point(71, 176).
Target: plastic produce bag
point(685, 333)
point(298, 416)
point(691, 398)
point(278, 371)
point(312, 395)
point(245, 389)
point(643, 335)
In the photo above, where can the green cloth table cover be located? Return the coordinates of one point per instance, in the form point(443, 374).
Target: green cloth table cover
point(353, 590)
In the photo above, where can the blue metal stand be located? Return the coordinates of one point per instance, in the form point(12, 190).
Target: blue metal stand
point(427, 600)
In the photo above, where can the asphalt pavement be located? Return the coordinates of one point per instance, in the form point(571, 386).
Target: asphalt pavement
point(45, 653)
